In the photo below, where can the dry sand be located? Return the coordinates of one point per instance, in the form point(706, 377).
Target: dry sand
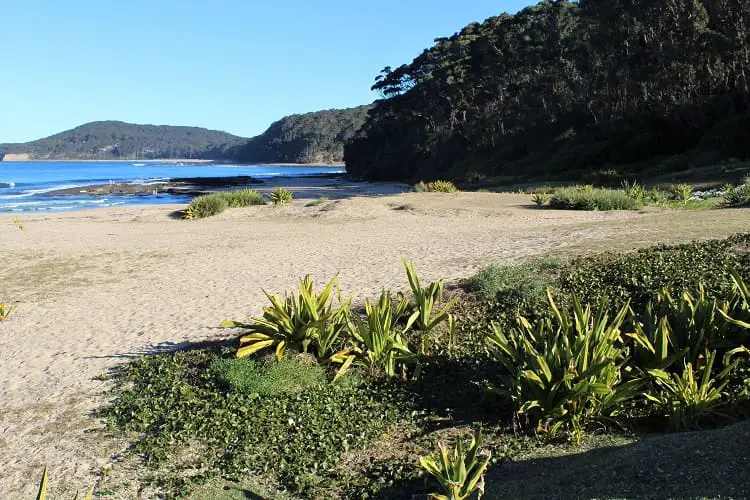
point(97, 288)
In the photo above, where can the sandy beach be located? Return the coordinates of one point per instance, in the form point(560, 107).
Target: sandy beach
point(97, 288)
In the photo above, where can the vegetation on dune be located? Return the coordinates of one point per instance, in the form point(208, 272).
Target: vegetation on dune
point(591, 198)
point(435, 187)
point(215, 203)
point(564, 90)
point(353, 401)
point(109, 140)
point(317, 137)
point(281, 196)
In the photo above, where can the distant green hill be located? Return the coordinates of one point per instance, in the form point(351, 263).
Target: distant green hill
point(317, 137)
point(118, 140)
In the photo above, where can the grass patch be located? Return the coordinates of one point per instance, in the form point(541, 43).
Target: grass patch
point(517, 286)
point(591, 198)
point(268, 377)
point(318, 202)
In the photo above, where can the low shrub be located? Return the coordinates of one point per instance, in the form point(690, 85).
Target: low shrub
point(281, 196)
point(206, 206)
point(243, 198)
point(435, 187)
point(589, 198)
point(268, 377)
point(737, 197)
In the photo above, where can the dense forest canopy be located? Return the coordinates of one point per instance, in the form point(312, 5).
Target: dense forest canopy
point(108, 140)
point(563, 88)
point(317, 137)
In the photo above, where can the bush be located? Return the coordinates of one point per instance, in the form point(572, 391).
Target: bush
point(435, 187)
point(206, 206)
point(267, 377)
point(634, 190)
point(243, 198)
point(589, 198)
point(737, 197)
point(281, 196)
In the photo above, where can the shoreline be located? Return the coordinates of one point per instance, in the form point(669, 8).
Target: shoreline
point(187, 161)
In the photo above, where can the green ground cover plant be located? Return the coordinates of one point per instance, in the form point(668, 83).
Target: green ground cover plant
point(648, 341)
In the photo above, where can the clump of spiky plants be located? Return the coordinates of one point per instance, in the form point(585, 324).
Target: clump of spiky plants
point(281, 196)
point(634, 190)
point(243, 198)
point(206, 206)
point(435, 187)
point(461, 473)
point(683, 192)
point(540, 199)
point(590, 198)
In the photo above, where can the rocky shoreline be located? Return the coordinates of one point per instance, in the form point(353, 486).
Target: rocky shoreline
point(194, 186)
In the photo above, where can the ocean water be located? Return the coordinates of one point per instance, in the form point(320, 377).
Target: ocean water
point(24, 186)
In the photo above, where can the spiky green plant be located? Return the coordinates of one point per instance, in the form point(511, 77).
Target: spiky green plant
point(675, 327)
point(540, 198)
point(426, 301)
point(736, 312)
point(280, 196)
point(634, 190)
point(691, 396)
point(206, 206)
point(42, 493)
point(380, 344)
point(566, 370)
point(305, 321)
point(6, 310)
point(460, 474)
point(683, 192)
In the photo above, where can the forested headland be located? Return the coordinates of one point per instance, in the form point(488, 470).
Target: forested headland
point(112, 140)
point(567, 90)
point(317, 137)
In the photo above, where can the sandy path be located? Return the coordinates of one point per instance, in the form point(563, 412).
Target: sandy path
point(96, 288)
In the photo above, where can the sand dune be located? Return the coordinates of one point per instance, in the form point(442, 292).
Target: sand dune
point(96, 288)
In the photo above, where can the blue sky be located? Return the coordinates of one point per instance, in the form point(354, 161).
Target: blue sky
point(233, 65)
